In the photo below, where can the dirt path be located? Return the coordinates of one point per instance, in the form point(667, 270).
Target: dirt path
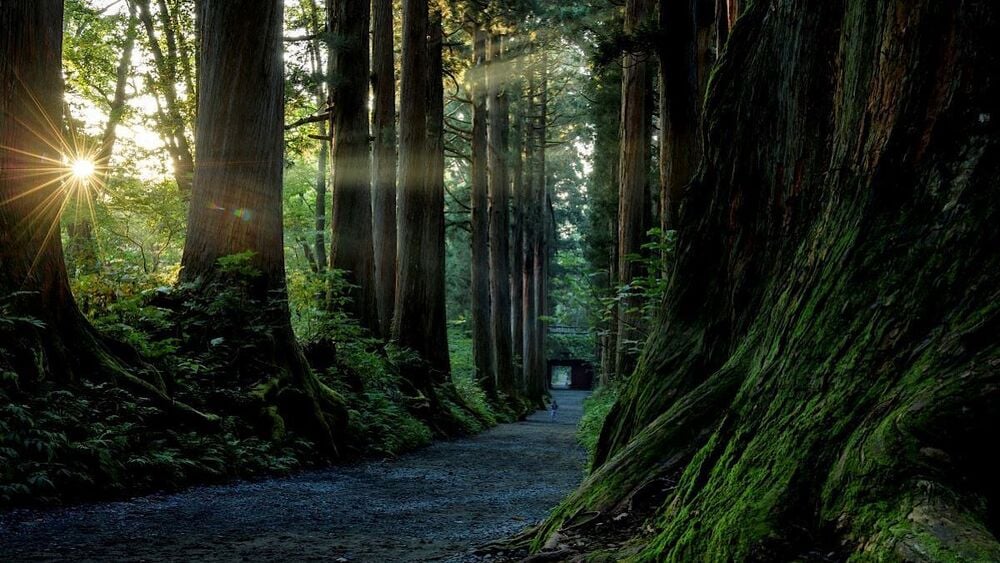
point(433, 504)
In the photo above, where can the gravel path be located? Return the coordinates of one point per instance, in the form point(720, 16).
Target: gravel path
point(433, 504)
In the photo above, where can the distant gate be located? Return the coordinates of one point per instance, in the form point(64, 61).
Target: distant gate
point(565, 370)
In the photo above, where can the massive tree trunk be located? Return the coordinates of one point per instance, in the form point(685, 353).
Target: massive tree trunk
point(236, 209)
point(384, 160)
point(419, 321)
point(634, 200)
point(44, 336)
point(351, 245)
point(824, 374)
point(499, 228)
point(32, 196)
point(482, 339)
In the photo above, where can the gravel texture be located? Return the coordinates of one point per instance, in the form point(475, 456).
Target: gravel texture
point(437, 503)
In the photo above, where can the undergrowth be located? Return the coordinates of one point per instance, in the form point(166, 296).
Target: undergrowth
point(64, 442)
point(595, 410)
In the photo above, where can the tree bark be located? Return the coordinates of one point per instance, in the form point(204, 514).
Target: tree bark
point(542, 227)
point(236, 204)
point(384, 159)
point(482, 338)
point(32, 193)
point(517, 249)
point(419, 321)
point(529, 350)
point(825, 364)
point(499, 227)
point(320, 258)
point(352, 248)
point(634, 214)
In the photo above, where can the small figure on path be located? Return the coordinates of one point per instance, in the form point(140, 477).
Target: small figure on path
point(553, 409)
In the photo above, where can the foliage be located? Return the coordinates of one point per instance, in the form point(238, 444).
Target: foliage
point(95, 440)
point(645, 294)
point(463, 375)
point(89, 438)
point(595, 410)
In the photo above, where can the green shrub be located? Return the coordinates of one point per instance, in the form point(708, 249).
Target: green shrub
point(595, 410)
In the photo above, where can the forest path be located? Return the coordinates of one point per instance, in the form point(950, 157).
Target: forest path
point(433, 504)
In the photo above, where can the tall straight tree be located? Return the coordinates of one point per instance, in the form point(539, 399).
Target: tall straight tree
point(323, 160)
point(49, 338)
point(482, 339)
point(634, 214)
point(419, 321)
point(499, 231)
point(351, 243)
point(542, 213)
point(236, 199)
point(517, 246)
point(529, 227)
point(384, 160)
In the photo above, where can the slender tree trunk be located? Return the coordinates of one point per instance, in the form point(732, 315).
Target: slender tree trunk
point(419, 321)
point(528, 289)
point(384, 159)
point(82, 252)
point(171, 117)
point(482, 339)
point(499, 231)
point(236, 204)
point(634, 214)
point(352, 248)
point(320, 258)
point(610, 349)
point(542, 225)
point(322, 166)
point(517, 250)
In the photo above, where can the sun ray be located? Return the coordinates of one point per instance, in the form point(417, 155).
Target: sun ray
point(69, 175)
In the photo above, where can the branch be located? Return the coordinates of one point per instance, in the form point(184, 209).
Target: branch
point(295, 38)
point(306, 120)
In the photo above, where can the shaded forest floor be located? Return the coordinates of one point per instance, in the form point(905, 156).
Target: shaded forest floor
point(434, 504)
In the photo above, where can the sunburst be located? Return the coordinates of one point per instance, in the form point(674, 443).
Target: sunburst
point(70, 172)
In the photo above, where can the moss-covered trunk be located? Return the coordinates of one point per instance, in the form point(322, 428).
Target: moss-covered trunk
point(825, 374)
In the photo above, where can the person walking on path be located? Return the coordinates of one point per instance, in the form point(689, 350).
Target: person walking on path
point(553, 409)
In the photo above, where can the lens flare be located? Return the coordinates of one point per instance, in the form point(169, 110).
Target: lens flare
point(83, 168)
point(63, 178)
